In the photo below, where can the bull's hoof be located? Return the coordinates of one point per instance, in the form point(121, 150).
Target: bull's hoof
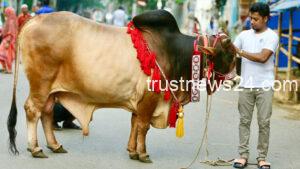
point(60, 149)
point(38, 154)
point(29, 150)
point(133, 156)
point(145, 158)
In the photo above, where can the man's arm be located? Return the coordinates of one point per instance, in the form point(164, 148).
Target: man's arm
point(261, 57)
point(268, 48)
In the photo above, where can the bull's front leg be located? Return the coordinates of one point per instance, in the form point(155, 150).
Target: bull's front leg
point(137, 140)
point(132, 143)
point(142, 129)
point(142, 124)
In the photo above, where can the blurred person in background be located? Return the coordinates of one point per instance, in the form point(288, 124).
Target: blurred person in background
point(9, 36)
point(33, 10)
point(45, 8)
point(119, 17)
point(98, 16)
point(192, 25)
point(109, 18)
point(23, 17)
point(61, 114)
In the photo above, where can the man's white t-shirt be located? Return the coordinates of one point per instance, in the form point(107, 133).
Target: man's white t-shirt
point(255, 74)
point(119, 18)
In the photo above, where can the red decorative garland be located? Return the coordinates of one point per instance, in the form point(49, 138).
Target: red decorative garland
point(147, 59)
point(173, 114)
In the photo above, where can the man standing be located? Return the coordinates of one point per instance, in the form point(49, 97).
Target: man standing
point(98, 16)
point(23, 17)
point(61, 114)
point(119, 17)
point(45, 8)
point(256, 47)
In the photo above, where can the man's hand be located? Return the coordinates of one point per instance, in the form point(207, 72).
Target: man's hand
point(261, 57)
point(238, 51)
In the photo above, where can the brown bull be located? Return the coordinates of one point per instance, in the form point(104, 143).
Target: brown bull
point(86, 66)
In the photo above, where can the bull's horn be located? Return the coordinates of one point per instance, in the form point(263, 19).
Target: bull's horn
point(226, 42)
point(208, 50)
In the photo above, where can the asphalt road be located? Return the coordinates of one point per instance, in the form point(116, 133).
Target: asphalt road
point(105, 147)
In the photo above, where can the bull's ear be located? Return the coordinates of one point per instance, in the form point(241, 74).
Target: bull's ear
point(208, 50)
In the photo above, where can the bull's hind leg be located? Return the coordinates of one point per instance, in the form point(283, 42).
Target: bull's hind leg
point(133, 139)
point(37, 107)
point(47, 121)
point(33, 114)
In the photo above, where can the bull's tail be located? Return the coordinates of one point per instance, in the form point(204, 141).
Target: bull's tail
point(12, 117)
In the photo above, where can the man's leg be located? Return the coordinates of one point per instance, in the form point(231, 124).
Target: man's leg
point(62, 114)
point(264, 112)
point(245, 105)
point(58, 116)
point(68, 120)
point(69, 124)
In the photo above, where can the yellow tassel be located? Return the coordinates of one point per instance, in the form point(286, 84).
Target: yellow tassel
point(180, 123)
point(180, 128)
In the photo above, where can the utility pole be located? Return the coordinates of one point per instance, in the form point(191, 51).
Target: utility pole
point(18, 7)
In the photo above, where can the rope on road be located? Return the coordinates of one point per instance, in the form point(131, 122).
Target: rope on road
point(204, 138)
point(218, 162)
point(204, 141)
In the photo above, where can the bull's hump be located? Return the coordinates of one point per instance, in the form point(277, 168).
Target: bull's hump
point(156, 20)
point(58, 17)
point(58, 14)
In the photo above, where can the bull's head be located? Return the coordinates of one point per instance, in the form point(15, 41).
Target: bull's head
point(222, 54)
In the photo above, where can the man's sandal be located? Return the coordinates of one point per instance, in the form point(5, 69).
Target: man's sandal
point(264, 166)
point(237, 164)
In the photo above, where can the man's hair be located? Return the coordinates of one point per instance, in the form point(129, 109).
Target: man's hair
point(45, 2)
point(262, 8)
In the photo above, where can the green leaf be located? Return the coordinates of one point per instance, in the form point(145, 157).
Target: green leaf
point(180, 1)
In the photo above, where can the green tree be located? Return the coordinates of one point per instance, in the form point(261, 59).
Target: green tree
point(220, 5)
point(179, 1)
point(74, 5)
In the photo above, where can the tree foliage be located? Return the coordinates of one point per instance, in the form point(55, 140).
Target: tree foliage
point(220, 5)
point(73, 5)
point(180, 1)
point(151, 5)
